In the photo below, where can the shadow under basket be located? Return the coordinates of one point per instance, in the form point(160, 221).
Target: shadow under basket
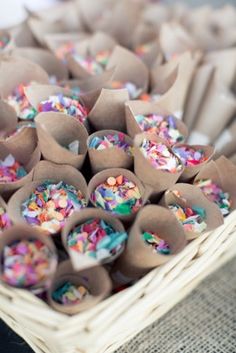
point(108, 325)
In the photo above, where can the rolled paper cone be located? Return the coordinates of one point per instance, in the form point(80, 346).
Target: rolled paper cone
point(102, 176)
point(225, 143)
point(78, 218)
point(128, 68)
point(8, 119)
point(194, 197)
point(156, 14)
point(221, 172)
point(138, 257)
point(55, 132)
point(53, 66)
point(219, 102)
point(94, 279)
point(113, 157)
point(10, 44)
point(133, 108)
point(232, 158)
point(55, 41)
point(144, 33)
point(190, 171)
point(109, 110)
point(23, 37)
point(21, 232)
point(17, 70)
point(45, 171)
point(197, 93)
point(158, 180)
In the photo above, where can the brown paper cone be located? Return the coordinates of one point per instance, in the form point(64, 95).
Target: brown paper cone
point(222, 172)
point(232, 158)
point(158, 180)
point(23, 232)
point(102, 177)
point(56, 40)
point(156, 14)
point(194, 197)
point(217, 109)
point(133, 108)
point(138, 257)
point(17, 70)
point(56, 131)
point(225, 143)
point(113, 157)
point(10, 44)
point(95, 279)
point(78, 259)
point(53, 66)
point(22, 35)
point(190, 171)
point(45, 171)
point(8, 119)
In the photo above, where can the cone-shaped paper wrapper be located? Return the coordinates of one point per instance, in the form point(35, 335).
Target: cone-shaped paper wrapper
point(113, 157)
point(158, 180)
point(217, 109)
point(94, 279)
point(45, 171)
point(196, 95)
point(194, 197)
point(10, 43)
point(138, 257)
point(8, 119)
point(133, 108)
point(17, 70)
point(77, 218)
point(222, 172)
point(226, 143)
point(102, 176)
point(109, 110)
point(23, 37)
point(190, 171)
point(57, 40)
point(156, 14)
point(55, 132)
point(232, 158)
point(23, 232)
point(53, 66)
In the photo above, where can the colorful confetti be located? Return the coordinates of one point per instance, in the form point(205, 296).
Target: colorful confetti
point(26, 263)
point(117, 195)
point(165, 127)
point(73, 147)
point(160, 156)
point(190, 156)
point(5, 221)
point(21, 104)
point(4, 40)
point(134, 91)
point(215, 194)
point(109, 141)
point(143, 49)
point(152, 97)
point(67, 105)
point(11, 170)
point(69, 294)
point(51, 204)
point(65, 49)
point(158, 244)
point(96, 238)
point(93, 65)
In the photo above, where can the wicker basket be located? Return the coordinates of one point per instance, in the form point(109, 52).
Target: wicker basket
point(114, 321)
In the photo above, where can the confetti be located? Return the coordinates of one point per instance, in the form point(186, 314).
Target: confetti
point(21, 104)
point(143, 49)
point(215, 194)
point(160, 156)
point(165, 127)
point(152, 97)
point(4, 40)
point(96, 65)
point(117, 195)
point(68, 293)
point(158, 244)
point(73, 147)
point(109, 141)
point(65, 49)
point(96, 238)
point(21, 126)
point(190, 156)
point(11, 170)
point(134, 91)
point(50, 205)
point(26, 263)
point(5, 221)
point(67, 105)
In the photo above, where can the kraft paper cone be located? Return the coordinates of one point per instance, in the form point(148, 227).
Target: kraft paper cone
point(102, 176)
point(45, 171)
point(22, 35)
point(128, 68)
point(8, 119)
point(222, 172)
point(55, 41)
point(190, 171)
point(133, 108)
point(156, 14)
point(158, 180)
point(194, 197)
point(225, 143)
point(53, 66)
point(232, 158)
point(113, 157)
point(217, 109)
point(55, 132)
point(95, 279)
point(197, 93)
point(17, 70)
point(23, 232)
point(28, 157)
point(78, 218)
point(10, 41)
point(109, 110)
point(138, 257)
point(153, 54)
